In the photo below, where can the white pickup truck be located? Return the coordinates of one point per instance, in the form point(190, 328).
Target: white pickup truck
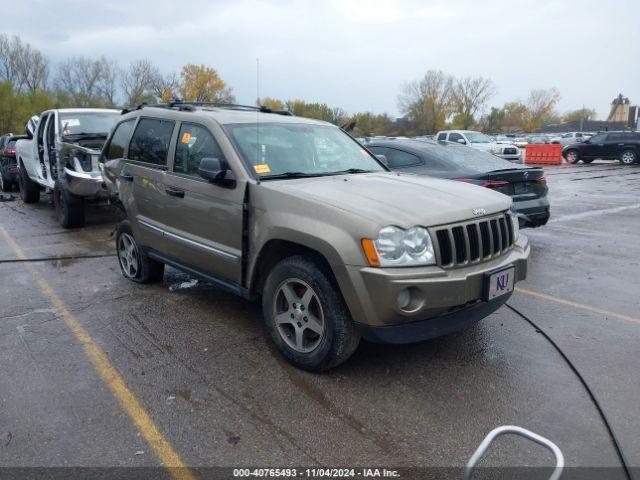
point(60, 156)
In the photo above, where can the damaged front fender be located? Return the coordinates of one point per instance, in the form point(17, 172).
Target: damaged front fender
point(80, 169)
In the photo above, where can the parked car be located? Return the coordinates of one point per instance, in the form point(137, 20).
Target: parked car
point(623, 146)
point(8, 166)
point(538, 139)
point(297, 213)
point(480, 141)
point(525, 185)
point(571, 137)
point(60, 156)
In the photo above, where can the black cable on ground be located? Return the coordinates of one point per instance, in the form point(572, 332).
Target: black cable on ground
point(53, 259)
point(592, 395)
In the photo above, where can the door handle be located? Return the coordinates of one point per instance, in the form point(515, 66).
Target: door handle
point(175, 192)
point(621, 144)
point(126, 177)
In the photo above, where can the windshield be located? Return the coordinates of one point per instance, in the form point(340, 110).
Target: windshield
point(477, 137)
point(279, 148)
point(74, 123)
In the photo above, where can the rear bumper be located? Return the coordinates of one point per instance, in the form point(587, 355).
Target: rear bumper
point(536, 212)
point(432, 327)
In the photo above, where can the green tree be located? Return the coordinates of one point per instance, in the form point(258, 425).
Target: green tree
point(271, 103)
point(580, 114)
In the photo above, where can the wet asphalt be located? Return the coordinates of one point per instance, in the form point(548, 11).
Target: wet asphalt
point(200, 362)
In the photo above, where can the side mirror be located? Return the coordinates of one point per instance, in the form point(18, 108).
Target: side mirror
point(383, 160)
point(215, 170)
point(462, 141)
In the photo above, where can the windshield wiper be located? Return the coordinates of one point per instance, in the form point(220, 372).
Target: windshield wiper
point(291, 175)
point(350, 170)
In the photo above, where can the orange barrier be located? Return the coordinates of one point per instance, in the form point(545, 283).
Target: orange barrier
point(544, 154)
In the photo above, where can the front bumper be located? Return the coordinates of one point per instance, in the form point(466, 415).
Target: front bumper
point(86, 184)
point(449, 295)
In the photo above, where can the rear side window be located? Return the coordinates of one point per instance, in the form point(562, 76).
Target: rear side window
point(400, 159)
point(442, 136)
point(150, 141)
point(615, 137)
point(119, 140)
point(601, 137)
point(195, 142)
point(632, 136)
point(454, 137)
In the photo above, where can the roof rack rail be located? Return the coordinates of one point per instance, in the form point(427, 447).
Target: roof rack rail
point(190, 106)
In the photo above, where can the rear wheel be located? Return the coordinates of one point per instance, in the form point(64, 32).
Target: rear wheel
point(69, 207)
point(571, 156)
point(5, 185)
point(628, 157)
point(134, 262)
point(29, 190)
point(307, 316)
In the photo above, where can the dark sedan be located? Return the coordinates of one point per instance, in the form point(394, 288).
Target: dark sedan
point(525, 185)
point(8, 165)
point(623, 146)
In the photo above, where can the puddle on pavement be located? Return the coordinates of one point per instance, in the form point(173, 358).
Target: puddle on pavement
point(63, 262)
point(183, 285)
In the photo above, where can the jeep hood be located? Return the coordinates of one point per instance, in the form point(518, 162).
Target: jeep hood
point(389, 198)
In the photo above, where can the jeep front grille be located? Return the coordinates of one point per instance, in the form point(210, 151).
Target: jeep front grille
point(510, 151)
point(473, 241)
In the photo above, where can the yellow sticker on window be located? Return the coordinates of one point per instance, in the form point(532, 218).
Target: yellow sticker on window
point(186, 137)
point(262, 168)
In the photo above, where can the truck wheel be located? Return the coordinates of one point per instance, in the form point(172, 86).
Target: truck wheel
point(134, 263)
point(69, 207)
point(307, 316)
point(29, 190)
point(628, 157)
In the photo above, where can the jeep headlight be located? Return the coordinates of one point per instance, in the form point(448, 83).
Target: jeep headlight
point(396, 247)
point(516, 224)
point(496, 150)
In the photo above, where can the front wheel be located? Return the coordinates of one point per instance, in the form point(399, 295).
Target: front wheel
point(69, 207)
point(628, 157)
point(307, 317)
point(29, 190)
point(571, 156)
point(134, 262)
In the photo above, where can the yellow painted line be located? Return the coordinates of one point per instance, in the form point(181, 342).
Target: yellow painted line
point(110, 376)
point(588, 308)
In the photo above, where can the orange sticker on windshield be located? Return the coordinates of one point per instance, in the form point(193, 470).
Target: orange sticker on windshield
point(186, 137)
point(262, 168)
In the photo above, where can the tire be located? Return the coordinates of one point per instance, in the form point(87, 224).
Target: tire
point(628, 157)
point(135, 264)
point(5, 185)
point(29, 190)
point(69, 207)
point(571, 156)
point(317, 334)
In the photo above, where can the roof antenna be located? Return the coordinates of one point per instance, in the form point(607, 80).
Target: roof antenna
point(258, 147)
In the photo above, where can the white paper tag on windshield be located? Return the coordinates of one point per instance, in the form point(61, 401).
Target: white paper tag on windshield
point(71, 122)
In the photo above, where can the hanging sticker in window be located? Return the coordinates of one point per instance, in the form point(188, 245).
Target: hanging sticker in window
point(262, 168)
point(71, 122)
point(186, 136)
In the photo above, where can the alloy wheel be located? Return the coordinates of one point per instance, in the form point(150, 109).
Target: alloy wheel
point(572, 156)
point(628, 158)
point(128, 255)
point(298, 315)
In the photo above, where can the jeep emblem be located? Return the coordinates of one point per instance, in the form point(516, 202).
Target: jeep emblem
point(479, 211)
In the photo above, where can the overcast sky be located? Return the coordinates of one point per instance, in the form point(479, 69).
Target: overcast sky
point(357, 53)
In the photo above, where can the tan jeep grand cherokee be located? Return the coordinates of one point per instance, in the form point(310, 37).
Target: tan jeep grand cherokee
point(294, 211)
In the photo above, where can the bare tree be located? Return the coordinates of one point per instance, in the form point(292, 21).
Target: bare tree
point(164, 87)
point(427, 101)
point(137, 80)
point(87, 82)
point(22, 65)
point(541, 105)
point(107, 84)
point(469, 96)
